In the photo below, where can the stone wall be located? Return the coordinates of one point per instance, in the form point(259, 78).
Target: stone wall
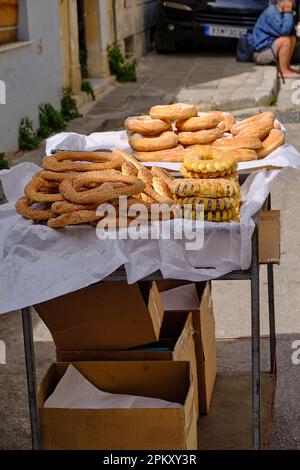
point(31, 69)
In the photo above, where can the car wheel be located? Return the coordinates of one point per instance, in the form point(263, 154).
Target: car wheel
point(164, 46)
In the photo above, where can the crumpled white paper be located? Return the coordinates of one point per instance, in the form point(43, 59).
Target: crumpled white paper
point(284, 156)
point(75, 391)
point(38, 263)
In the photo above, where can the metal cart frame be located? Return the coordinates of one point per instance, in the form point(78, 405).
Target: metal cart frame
point(252, 274)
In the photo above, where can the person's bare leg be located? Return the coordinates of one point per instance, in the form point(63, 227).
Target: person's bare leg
point(285, 46)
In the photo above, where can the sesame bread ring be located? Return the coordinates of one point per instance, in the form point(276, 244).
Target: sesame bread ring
point(145, 125)
point(65, 207)
point(200, 137)
point(173, 111)
point(274, 140)
point(69, 190)
point(170, 155)
point(239, 142)
point(201, 122)
point(214, 163)
point(34, 191)
point(128, 169)
point(242, 155)
point(166, 140)
point(227, 120)
point(242, 125)
point(24, 207)
point(73, 218)
point(213, 188)
point(81, 161)
point(56, 176)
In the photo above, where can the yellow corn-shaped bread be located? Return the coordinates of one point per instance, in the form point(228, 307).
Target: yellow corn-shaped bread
point(214, 174)
point(212, 188)
point(226, 215)
point(215, 163)
point(209, 205)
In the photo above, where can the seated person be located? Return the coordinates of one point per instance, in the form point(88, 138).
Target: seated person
point(274, 36)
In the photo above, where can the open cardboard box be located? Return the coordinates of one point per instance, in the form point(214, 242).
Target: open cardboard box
point(196, 298)
point(118, 429)
point(176, 344)
point(110, 315)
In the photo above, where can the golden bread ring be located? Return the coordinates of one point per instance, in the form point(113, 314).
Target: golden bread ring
point(209, 205)
point(201, 122)
point(73, 218)
point(23, 207)
point(200, 137)
point(68, 188)
point(239, 142)
point(73, 161)
point(258, 128)
point(33, 191)
point(213, 188)
point(225, 215)
point(274, 140)
point(170, 155)
point(242, 155)
point(145, 125)
point(242, 125)
point(173, 111)
point(227, 120)
point(166, 140)
point(214, 162)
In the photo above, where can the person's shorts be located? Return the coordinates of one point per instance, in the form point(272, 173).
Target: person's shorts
point(266, 56)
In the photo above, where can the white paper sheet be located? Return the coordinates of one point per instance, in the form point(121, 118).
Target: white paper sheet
point(75, 391)
point(285, 156)
point(38, 263)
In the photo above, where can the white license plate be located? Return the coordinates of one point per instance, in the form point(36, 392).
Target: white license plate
point(224, 31)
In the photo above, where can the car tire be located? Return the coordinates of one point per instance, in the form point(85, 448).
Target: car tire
point(164, 46)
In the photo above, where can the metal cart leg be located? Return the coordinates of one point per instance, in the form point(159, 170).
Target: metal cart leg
point(271, 302)
point(272, 324)
point(255, 325)
point(31, 375)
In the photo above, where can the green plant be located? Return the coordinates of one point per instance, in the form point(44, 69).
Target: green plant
point(50, 120)
point(125, 71)
point(28, 137)
point(273, 101)
point(3, 161)
point(87, 88)
point(68, 105)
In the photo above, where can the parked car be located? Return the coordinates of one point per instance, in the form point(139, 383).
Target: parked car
point(203, 21)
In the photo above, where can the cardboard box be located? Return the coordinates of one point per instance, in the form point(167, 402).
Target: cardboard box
point(197, 299)
point(176, 344)
point(269, 237)
point(119, 429)
point(110, 315)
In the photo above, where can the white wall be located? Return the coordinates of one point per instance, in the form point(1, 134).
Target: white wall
point(32, 73)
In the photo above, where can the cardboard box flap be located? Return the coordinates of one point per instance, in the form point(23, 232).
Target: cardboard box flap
point(207, 322)
point(269, 237)
point(181, 298)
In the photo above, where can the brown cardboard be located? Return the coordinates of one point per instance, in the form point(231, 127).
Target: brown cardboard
point(205, 340)
point(110, 315)
point(120, 429)
point(176, 325)
point(269, 237)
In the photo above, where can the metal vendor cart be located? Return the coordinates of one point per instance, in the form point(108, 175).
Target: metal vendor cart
point(252, 274)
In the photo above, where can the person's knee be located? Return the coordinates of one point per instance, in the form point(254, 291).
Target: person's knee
point(283, 41)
